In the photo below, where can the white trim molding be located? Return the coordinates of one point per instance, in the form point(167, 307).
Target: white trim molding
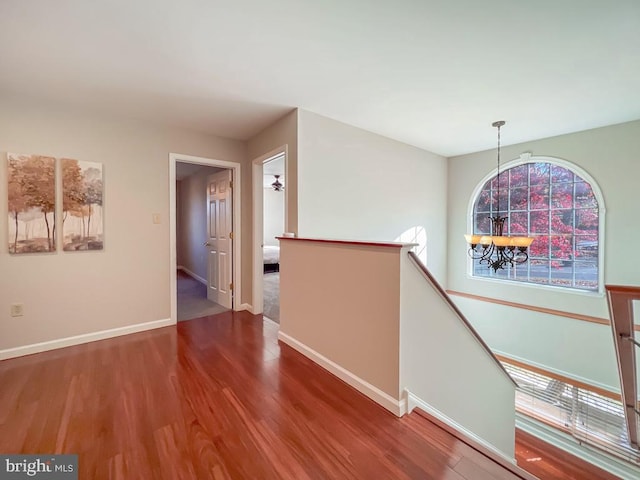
point(395, 406)
point(257, 187)
point(193, 275)
point(84, 338)
point(237, 231)
point(413, 402)
point(246, 306)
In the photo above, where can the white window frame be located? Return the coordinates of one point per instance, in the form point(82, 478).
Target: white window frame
point(529, 158)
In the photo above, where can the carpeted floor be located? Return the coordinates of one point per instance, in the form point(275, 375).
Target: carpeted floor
point(271, 296)
point(192, 299)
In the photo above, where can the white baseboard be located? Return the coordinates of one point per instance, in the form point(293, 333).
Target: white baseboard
point(413, 402)
point(567, 443)
point(246, 306)
point(271, 322)
point(193, 275)
point(84, 338)
point(397, 407)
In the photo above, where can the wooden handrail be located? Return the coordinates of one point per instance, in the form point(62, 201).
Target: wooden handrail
point(624, 289)
point(359, 243)
point(620, 299)
point(550, 311)
point(427, 274)
point(556, 376)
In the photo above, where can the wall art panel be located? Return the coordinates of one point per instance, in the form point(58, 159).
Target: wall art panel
point(32, 203)
point(82, 193)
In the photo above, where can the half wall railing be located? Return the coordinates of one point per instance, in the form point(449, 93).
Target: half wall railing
point(621, 299)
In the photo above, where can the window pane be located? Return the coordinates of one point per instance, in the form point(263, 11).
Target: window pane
point(482, 224)
point(584, 196)
point(560, 174)
point(587, 275)
point(502, 201)
point(521, 272)
point(518, 176)
point(562, 195)
point(502, 273)
point(484, 201)
point(586, 247)
point(562, 247)
point(561, 281)
point(504, 181)
point(540, 222)
point(587, 220)
point(539, 271)
point(518, 223)
point(539, 197)
point(562, 221)
point(477, 268)
point(519, 198)
point(539, 173)
point(539, 248)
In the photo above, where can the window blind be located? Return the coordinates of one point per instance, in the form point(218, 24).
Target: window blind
point(591, 418)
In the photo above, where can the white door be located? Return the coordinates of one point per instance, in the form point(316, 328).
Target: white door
point(219, 242)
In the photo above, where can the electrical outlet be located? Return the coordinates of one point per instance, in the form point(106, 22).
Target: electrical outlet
point(17, 310)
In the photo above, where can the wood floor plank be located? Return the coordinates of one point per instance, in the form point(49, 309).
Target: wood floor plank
point(215, 398)
point(545, 461)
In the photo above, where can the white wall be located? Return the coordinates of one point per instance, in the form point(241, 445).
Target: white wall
point(610, 156)
point(444, 365)
point(273, 216)
point(66, 294)
point(354, 184)
point(562, 345)
point(191, 221)
point(282, 132)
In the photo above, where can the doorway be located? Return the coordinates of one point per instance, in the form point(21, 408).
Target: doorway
point(273, 207)
point(270, 198)
point(205, 250)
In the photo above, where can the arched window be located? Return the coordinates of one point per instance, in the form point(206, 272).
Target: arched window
point(558, 207)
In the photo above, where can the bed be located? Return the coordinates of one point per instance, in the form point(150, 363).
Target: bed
point(271, 258)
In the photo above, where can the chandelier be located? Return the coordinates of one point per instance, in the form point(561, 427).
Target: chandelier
point(497, 250)
point(277, 186)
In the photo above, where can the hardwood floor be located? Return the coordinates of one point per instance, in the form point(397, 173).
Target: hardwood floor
point(537, 457)
point(216, 398)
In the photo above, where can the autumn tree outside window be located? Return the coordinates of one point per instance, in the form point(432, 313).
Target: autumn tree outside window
point(558, 207)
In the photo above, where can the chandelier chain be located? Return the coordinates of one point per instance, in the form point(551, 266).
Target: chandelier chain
point(498, 250)
point(498, 212)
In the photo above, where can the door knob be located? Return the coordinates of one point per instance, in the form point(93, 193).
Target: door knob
point(207, 244)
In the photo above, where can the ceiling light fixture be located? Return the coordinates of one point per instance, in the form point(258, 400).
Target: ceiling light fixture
point(277, 186)
point(497, 250)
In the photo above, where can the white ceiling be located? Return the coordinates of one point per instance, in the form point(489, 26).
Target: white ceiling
point(431, 73)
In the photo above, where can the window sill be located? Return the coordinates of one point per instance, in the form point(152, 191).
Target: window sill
point(600, 293)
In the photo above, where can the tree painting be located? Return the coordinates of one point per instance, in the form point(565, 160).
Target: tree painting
point(31, 202)
point(82, 192)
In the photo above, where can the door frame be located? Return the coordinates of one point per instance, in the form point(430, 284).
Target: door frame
point(236, 261)
point(258, 220)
